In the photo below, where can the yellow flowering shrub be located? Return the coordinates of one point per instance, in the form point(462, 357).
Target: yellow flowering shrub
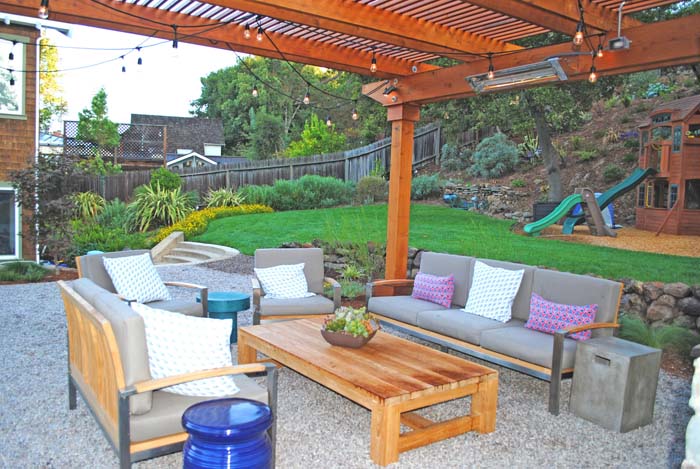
point(196, 222)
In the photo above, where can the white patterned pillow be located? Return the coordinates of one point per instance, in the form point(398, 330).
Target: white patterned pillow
point(135, 278)
point(284, 281)
point(492, 292)
point(180, 344)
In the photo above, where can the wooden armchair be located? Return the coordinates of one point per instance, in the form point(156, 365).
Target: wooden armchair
point(267, 308)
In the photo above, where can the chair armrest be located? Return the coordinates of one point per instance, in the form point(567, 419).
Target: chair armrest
point(560, 335)
point(336, 291)
point(386, 287)
point(203, 293)
point(257, 293)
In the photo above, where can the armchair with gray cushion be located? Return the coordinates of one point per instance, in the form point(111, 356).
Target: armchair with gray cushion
point(91, 266)
point(267, 308)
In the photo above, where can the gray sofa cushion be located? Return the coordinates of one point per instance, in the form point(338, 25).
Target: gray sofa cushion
point(460, 325)
point(401, 308)
point(311, 257)
point(311, 305)
point(165, 417)
point(566, 288)
point(521, 302)
point(130, 334)
point(92, 267)
point(190, 308)
point(528, 345)
point(445, 264)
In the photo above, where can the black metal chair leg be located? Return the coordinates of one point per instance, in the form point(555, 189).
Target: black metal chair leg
point(72, 394)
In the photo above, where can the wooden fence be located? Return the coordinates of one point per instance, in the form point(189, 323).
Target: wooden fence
point(351, 165)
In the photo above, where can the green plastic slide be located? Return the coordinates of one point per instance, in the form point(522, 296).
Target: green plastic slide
point(562, 210)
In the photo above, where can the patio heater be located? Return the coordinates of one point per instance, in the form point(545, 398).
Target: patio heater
point(523, 75)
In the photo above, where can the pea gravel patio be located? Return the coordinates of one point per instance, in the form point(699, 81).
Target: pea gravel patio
point(316, 427)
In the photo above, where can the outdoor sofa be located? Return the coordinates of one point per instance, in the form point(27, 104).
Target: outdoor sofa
point(546, 356)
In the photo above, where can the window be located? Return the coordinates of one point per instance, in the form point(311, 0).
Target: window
point(11, 95)
point(672, 195)
point(645, 138)
point(661, 133)
point(677, 137)
point(693, 131)
point(692, 194)
point(659, 118)
point(660, 194)
point(9, 222)
point(641, 195)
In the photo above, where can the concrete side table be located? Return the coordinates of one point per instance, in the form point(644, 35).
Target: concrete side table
point(615, 382)
point(227, 305)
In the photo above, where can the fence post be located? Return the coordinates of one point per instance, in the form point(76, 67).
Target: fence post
point(438, 138)
point(346, 168)
point(228, 178)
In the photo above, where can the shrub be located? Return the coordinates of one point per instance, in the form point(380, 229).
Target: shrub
point(576, 143)
point(93, 236)
point(517, 183)
point(611, 136)
point(351, 289)
point(196, 222)
point(494, 157)
point(351, 272)
point(674, 338)
point(426, 187)
point(630, 143)
point(371, 189)
point(115, 214)
point(629, 158)
point(88, 204)
point(224, 197)
point(613, 172)
point(454, 158)
point(310, 192)
point(162, 206)
point(21, 271)
point(586, 155)
point(166, 179)
point(257, 195)
point(599, 134)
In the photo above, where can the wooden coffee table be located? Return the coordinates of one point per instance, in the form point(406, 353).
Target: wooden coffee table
point(389, 376)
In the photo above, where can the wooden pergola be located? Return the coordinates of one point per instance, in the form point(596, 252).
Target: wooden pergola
point(404, 36)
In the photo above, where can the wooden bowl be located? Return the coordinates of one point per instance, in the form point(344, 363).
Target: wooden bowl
point(342, 339)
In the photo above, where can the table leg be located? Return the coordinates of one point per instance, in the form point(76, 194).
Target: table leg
point(484, 404)
point(386, 425)
point(246, 353)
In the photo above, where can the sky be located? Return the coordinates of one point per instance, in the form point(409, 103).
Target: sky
point(165, 84)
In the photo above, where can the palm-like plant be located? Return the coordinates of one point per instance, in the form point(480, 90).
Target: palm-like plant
point(154, 204)
point(88, 204)
point(224, 197)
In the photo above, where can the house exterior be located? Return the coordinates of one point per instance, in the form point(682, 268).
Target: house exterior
point(187, 134)
point(670, 143)
point(18, 130)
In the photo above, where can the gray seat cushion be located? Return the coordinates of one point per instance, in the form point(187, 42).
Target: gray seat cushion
point(402, 308)
point(528, 345)
point(190, 308)
point(317, 304)
point(445, 264)
point(92, 267)
point(521, 302)
point(130, 334)
point(311, 257)
point(457, 324)
point(165, 417)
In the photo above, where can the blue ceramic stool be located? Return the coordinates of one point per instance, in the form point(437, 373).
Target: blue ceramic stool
point(227, 433)
point(227, 305)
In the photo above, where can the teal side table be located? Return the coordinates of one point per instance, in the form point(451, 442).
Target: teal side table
point(227, 305)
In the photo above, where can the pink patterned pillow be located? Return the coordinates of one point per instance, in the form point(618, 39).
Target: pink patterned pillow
point(546, 316)
point(435, 289)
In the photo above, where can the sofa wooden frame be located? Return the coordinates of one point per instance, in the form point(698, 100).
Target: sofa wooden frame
point(95, 370)
point(554, 374)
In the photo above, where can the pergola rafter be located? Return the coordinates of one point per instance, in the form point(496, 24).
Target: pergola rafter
point(404, 35)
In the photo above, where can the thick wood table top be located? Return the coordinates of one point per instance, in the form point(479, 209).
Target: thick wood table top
point(388, 369)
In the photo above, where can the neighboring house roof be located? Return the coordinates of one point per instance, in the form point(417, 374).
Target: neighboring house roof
point(186, 132)
point(217, 159)
point(680, 109)
point(194, 154)
point(50, 140)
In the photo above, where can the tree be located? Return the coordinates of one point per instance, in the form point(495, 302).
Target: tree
point(317, 138)
point(52, 105)
point(265, 136)
point(95, 127)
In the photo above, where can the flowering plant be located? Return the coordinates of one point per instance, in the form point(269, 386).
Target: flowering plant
point(353, 321)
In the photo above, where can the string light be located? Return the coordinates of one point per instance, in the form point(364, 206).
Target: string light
point(593, 75)
point(259, 36)
point(44, 10)
point(373, 65)
point(490, 73)
point(600, 50)
point(140, 60)
point(307, 98)
point(175, 42)
point(355, 115)
point(12, 78)
point(578, 37)
point(12, 55)
point(329, 122)
point(255, 91)
point(123, 65)
point(246, 32)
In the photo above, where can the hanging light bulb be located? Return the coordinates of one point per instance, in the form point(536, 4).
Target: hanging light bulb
point(259, 35)
point(593, 76)
point(578, 37)
point(307, 98)
point(490, 73)
point(329, 122)
point(255, 91)
point(600, 50)
point(140, 60)
point(373, 65)
point(355, 115)
point(44, 9)
point(12, 78)
point(11, 57)
point(246, 32)
point(123, 65)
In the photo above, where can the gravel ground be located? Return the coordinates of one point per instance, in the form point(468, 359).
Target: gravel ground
point(316, 427)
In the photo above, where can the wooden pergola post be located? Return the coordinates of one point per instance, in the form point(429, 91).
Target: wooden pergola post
point(402, 118)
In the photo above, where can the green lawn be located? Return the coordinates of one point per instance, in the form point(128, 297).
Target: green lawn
point(449, 230)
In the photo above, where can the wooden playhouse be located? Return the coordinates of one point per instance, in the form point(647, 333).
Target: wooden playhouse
point(669, 201)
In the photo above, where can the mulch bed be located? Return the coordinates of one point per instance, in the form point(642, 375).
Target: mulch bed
point(60, 274)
